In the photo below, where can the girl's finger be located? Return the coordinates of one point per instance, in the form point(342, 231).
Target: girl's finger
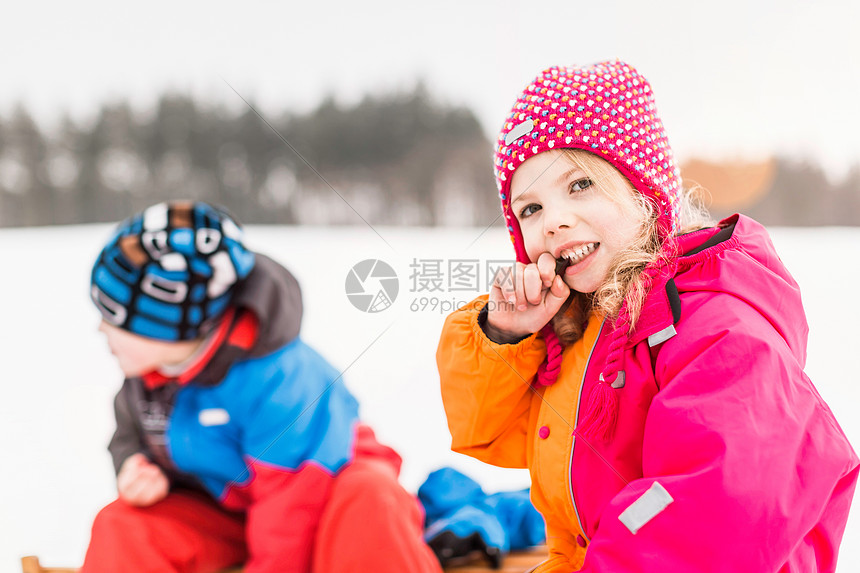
point(546, 265)
point(556, 296)
point(532, 284)
point(521, 301)
point(503, 283)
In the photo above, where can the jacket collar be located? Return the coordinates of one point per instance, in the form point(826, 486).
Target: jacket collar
point(658, 314)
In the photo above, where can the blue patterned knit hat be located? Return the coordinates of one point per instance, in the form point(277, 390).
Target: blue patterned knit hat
point(169, 272)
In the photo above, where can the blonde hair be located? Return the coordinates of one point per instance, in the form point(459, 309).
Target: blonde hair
point(624, 280)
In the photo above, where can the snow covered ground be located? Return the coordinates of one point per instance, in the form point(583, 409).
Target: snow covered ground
point(58, 379)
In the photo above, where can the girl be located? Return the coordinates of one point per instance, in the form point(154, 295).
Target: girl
point(646, 366)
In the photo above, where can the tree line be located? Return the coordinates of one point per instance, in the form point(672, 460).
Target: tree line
point(390, 159)
point(401, 158)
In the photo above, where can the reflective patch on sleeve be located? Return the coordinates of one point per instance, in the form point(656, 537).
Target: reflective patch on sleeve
point(213, 417)
point(662, 336)
point(644, 509)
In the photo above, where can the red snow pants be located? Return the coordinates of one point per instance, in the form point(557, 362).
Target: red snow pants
point(370, 524)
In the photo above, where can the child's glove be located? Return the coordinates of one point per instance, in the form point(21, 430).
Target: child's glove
point(141, 482)
point(461, 518)
point(469, 529)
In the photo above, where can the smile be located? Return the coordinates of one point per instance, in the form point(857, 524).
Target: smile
point(572, 257)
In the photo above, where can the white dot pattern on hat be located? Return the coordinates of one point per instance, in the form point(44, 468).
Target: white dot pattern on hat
point(607, 108)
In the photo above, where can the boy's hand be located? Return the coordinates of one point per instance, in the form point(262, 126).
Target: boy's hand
point(141, 482)
point(525, 301)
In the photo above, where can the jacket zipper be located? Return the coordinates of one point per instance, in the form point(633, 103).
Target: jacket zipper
point(573, 442)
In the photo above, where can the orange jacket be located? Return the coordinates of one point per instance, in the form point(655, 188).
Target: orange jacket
point(500, 419)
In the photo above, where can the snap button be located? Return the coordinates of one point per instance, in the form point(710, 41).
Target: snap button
point(580, 540)
point(543, 432)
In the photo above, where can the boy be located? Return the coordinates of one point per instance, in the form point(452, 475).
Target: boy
point(235, 441)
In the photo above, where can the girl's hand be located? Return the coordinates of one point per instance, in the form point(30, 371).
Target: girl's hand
point(524, 301)
point(141, 482)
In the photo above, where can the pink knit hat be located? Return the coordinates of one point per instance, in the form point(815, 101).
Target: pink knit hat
point(607, 109)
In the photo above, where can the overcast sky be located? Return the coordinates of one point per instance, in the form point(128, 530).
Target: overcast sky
point(734, 79)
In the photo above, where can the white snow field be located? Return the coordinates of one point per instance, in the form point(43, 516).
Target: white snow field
point(58, 379)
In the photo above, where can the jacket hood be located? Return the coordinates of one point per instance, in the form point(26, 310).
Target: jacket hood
point(272, 294)
point(745, 265)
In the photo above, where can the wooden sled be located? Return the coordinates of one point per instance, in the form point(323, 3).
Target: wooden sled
point(515, 562)
point(30, 564)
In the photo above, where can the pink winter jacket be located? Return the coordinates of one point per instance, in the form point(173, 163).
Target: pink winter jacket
point(754, 473)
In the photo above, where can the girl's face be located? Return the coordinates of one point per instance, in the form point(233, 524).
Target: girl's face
point(562, 211)
point(138, 355)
